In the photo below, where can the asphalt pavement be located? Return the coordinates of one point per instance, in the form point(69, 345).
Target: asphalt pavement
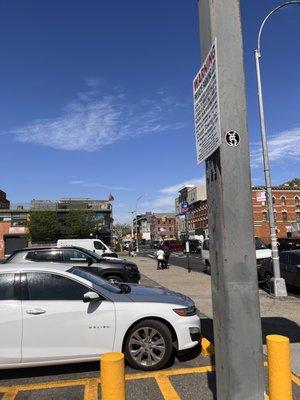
point(180, 259)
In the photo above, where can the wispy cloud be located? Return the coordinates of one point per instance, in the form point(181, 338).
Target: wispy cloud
point(165, 198)
point(171, 190)
point(99, 185)
point(96, 119)
point(284, 146)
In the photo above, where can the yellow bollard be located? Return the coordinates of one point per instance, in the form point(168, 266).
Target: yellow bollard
point(207, 348)
point(113, 376)
point(279, 368)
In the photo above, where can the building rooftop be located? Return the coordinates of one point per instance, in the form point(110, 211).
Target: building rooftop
point(276, 188)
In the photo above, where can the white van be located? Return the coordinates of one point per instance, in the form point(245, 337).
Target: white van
point(95, 245)
point(262, 252)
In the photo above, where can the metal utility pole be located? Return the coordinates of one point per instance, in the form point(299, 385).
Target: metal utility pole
point(278, 286)
point(187, 244)
point(236, 313)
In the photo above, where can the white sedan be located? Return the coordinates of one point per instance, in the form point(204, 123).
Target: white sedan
point(54, 314)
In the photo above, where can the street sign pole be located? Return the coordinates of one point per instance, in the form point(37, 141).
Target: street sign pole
point(236, 313)
point(187, 245)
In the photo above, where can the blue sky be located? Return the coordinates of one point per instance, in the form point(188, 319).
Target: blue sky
point(96, 97)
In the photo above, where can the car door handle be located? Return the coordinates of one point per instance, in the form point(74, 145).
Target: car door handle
point(35, 311)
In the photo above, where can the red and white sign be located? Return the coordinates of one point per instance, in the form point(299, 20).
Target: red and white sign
point(206, 107)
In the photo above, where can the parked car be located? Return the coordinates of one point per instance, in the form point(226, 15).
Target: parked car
point(205, 255)
point(285, 244)
point(113, 270)
point(262, 253)
point(289, 269)
point(95, 245)
point(54, 314)
point(195, 246)
point(173, 245)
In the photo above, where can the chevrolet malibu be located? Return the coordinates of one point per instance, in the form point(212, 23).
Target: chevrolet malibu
point(54, 314)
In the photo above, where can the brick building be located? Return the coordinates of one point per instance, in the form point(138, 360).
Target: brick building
point(195, 196)
point(13, 219)
point(163, 226)
point(286, 202)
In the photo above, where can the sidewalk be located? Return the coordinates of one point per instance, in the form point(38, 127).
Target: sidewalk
point(279, 316)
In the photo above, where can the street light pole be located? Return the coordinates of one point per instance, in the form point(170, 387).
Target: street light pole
point(187, 244)
point(136, 222)
point(278, 287)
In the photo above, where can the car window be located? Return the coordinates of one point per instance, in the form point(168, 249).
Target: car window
point(295, 259)
point(46, 286)
point(73, 255)
point(98, 245)
point(44, 255)
point(259, 244)
point(96, 280)
point(284, 258)
point(7, 286)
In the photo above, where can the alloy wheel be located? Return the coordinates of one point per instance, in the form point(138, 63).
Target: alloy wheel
point(147, 346)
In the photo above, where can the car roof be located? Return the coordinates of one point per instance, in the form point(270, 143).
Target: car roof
point(294, 251)
point(37, 266)
point(49, 248)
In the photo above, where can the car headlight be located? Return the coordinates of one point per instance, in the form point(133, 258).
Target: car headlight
point(186, 312)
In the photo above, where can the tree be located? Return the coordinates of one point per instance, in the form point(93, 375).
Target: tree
point(43, 226)
point(122, 230)
point(293, 183)
point(79, 224)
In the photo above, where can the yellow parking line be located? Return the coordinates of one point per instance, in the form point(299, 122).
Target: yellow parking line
point(10, 394)
point(91, 390)
point(167, 390)
point(46, 385)
point(296, 379)
point(91, 384)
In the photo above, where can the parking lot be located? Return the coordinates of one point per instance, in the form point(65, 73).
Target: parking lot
point(189, 376)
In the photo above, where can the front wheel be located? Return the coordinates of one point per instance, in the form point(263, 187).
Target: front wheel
point(148, 345)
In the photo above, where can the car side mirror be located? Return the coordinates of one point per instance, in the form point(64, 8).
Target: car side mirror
point(89, 261)
point(90, 296)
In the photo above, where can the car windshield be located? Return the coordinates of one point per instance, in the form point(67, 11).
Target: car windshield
point(259, 244)
point(91, 253)
point(95, 280)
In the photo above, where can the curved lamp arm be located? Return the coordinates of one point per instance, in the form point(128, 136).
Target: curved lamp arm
point(268, 16)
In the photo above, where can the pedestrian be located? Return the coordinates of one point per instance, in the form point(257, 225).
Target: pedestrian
point(130, 248)
point(166, 257)
point(160, 258)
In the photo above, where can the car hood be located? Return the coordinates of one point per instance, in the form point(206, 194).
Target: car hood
point(116, 261)
point(154, 294)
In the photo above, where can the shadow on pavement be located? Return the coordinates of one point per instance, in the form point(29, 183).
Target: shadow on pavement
point(270, 325)
point(67, 371)
point(280, 326)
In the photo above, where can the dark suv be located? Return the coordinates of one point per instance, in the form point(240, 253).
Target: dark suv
point(113, 270)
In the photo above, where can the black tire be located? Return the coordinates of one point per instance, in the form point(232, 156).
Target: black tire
point(163, 336)
point(268, 276)
point(114, 278)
